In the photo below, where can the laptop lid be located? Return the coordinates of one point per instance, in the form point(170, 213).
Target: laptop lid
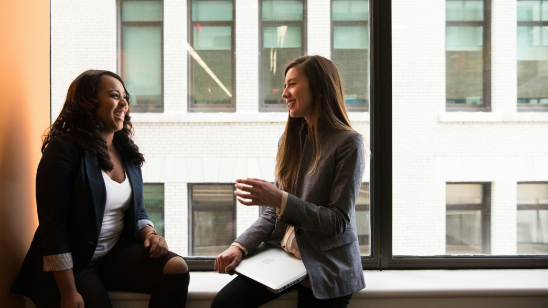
point(272, 267)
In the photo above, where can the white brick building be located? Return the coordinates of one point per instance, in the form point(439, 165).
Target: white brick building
point(431, 146)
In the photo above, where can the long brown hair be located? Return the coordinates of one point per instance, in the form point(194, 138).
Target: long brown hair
point(328, 111)
point(78, 121)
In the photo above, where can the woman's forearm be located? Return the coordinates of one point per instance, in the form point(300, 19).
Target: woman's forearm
point(65, 282)
point(143, 233)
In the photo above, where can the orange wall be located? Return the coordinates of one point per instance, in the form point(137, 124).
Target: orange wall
point(24, 115)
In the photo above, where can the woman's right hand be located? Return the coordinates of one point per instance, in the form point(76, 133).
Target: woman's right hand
point(73, 300)
point(226, 262)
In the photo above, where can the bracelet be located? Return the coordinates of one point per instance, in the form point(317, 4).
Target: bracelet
point(149, 233)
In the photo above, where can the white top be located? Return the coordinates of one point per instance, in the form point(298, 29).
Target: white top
point(118, 201)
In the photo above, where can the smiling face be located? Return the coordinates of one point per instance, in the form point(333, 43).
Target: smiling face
point(297, 94)
point(113, 105)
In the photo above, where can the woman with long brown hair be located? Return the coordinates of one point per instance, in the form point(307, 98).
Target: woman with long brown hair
point(94, 233)
point(319, 169)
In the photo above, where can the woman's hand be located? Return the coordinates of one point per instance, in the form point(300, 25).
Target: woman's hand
point(72, 301)
point(157, 244)
point(226, 262)
point(258, 192)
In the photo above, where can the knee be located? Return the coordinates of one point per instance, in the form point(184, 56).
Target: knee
point(175, 265)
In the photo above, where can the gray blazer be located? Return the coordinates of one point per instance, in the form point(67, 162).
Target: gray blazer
point(322, 210)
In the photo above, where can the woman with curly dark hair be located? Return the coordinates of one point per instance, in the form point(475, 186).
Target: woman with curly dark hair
point(94, 233)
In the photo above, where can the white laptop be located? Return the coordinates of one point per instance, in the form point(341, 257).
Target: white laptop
point(273, 267)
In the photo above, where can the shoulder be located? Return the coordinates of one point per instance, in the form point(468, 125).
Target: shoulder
point(345, 138)
point(62, 145)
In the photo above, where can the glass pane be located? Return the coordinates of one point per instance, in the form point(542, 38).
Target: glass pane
point(464, 194)
point(142, 11)
point(362, 220)
point(213, 218)
point(532, 231)
point(282, 10)
point(463, 234)
point(281, 45)
point(533, 193)
point(212, 65)
point(532, 55)
point(532, 10)
point(466, 10)
point(142, 64)
point(464, 65)
point(153, 195)
point(350, 10)
point(351, 55)
point(212, 11)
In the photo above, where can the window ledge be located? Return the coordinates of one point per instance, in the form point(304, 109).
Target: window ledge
point(220, 117)
point(461, 116)
point(393, 284)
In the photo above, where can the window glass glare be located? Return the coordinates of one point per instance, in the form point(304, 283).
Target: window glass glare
point(464, 194)
point(464, 38)
point(350, 10)
point(282, 10)
point(532, 231)
point(532, 194)
point(282, 37)
point(142, 11)
point(353, 37)
point(212, 38)
point(212, 11)
point(470, 10)
point(532, 10)
point(142, 64)
point(212, 195)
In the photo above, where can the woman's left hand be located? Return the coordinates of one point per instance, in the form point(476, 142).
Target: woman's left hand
point(157, 244)
point(258, 192)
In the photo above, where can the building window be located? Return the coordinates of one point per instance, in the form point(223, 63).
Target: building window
point(141, 63)
point(363, 221)
point(283, 38)
point(211, 58)
point(467, 55)
point(350, 50)
point(532, 55)
point(154, 204)
point(212, 212)
point(532, 218)
point(468, 218)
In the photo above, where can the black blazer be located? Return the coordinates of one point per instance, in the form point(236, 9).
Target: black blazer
point(70, 198)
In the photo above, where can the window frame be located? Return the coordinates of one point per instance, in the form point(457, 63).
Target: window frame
point(485, 210)
point(190, 67)
point(528, 107)
point(348, 23)
point(120, 55)
point(304, 49)
point(486, 72)
point(191, 210)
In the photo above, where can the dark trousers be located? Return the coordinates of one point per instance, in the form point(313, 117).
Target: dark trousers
point(127, 267)
point(243, 292)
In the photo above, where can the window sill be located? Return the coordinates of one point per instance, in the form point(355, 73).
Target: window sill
point(221, 117)
point(417, 288)
point(449, 117)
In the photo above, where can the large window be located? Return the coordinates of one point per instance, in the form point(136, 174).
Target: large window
point(467, 54)
point(363, 220)
point(141, 54)
point(350, 50)
point(154, 204)
point(532, 55)
point(282, 38)
point(212, 212)
point(467, 219)
point(211, 73)
point(532, 218)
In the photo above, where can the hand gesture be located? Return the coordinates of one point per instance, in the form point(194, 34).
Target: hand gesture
point(259, 192)
point(73, 300)
point(226, 262)
point(157, 244)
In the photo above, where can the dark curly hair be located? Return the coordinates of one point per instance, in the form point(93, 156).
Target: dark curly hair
point(78, 121)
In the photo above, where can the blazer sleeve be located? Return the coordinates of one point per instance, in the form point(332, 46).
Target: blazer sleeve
point(259, 231)
point(54, 183)
point(335, 218)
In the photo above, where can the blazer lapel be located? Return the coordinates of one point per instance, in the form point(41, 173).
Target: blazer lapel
point(97, 186)
point(135, 181)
